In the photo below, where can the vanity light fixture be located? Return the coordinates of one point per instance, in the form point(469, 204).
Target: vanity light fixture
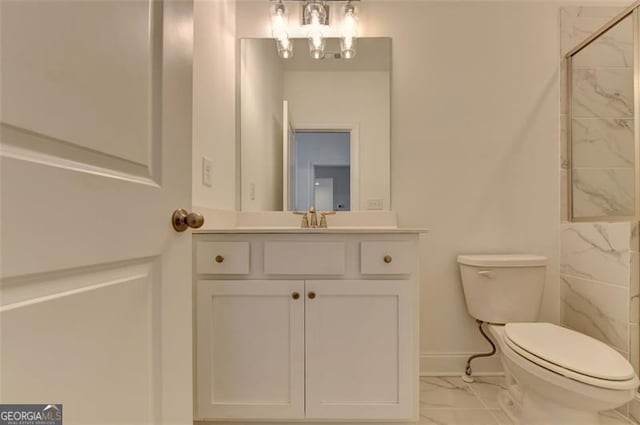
point(314, 26)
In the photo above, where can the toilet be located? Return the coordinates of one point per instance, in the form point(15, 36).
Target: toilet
point(555, 376)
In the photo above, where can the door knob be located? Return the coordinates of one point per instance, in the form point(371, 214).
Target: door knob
point(182, 220)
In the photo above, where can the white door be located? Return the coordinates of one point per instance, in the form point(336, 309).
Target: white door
point(359, 334)
point(323, 194)
point(96, 151)
point(250, 349)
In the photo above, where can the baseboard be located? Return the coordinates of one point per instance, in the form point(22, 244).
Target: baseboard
point(453, 364)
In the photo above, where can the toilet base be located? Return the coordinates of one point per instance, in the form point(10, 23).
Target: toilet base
point(509, 406)
point(537, 410)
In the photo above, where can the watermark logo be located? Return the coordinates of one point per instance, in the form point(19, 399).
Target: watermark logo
point(30, 414)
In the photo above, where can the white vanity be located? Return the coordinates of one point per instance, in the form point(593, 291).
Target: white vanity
point(306, 324)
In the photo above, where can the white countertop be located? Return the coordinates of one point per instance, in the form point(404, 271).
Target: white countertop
point(278, 222)
point(298, 230)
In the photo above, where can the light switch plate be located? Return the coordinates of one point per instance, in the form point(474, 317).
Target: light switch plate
point(207, 172)
point(374, 204)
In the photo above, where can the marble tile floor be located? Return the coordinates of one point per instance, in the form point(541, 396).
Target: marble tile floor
point(451, 401)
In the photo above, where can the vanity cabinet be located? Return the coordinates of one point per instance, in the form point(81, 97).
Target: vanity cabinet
point(301, 333)
point(251, 349)
point(359, 361)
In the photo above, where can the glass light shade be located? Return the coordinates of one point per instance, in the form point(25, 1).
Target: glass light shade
point(348, 47)
point(316, 46)
point(285, 48)
point(315, 33)
point(349, 32)
point(279, 27)
point(279, 21)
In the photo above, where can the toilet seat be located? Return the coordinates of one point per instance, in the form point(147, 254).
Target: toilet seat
point(570, 354)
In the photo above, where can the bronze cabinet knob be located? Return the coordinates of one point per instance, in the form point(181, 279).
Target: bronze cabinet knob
point(219, 258)
point(312, 295)
point(388, 259)
point(295, 295)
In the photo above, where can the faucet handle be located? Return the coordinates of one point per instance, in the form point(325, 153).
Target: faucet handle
point(323, 218)
point(305, 218)
point(313, 217)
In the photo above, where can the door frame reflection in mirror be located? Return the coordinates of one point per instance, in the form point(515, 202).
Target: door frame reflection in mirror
point(288, 199)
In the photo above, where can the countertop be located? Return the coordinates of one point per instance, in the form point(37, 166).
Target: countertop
point(318, 231)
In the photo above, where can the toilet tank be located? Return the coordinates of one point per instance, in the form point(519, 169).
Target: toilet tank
point(503, 288)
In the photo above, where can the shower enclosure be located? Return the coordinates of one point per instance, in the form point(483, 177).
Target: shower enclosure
point(603, 123)
point(600, 247)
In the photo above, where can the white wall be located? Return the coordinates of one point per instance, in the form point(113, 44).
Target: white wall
point(262, 82)
point(474, 145)
point(214, 102)
point(476, 141)
point(350, 98)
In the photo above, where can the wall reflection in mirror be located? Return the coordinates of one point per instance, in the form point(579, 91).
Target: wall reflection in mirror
point(315, 132)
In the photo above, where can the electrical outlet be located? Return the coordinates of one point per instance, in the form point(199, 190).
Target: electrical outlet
point(207, 172)
point(252, 191)
point(374, 204)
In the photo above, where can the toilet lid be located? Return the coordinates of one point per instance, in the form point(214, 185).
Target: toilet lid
point(503, 260)
point(569, 350)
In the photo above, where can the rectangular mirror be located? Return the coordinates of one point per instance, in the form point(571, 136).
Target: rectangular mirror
point(315, 132)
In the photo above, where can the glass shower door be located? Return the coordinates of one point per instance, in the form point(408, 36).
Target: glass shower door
point(602, 126)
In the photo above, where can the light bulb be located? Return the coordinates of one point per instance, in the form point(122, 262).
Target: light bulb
point(279, 24)
point(349, 32)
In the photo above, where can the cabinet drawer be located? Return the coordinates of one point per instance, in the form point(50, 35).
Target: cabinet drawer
point(222, 257)
point(387, 257)
point(304, 258)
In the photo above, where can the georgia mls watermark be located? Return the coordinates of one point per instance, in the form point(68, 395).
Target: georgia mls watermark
point(30, 414)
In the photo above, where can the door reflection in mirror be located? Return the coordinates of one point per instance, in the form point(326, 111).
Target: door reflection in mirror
point(321, 170)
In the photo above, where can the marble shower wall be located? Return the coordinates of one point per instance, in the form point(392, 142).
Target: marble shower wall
point(600, 286)
point(596, 281)
point(633, 409)
point(599, 273)
point(603, 105)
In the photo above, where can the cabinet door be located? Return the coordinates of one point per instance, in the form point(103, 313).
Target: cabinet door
point(360, 353)
point(250, 349)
